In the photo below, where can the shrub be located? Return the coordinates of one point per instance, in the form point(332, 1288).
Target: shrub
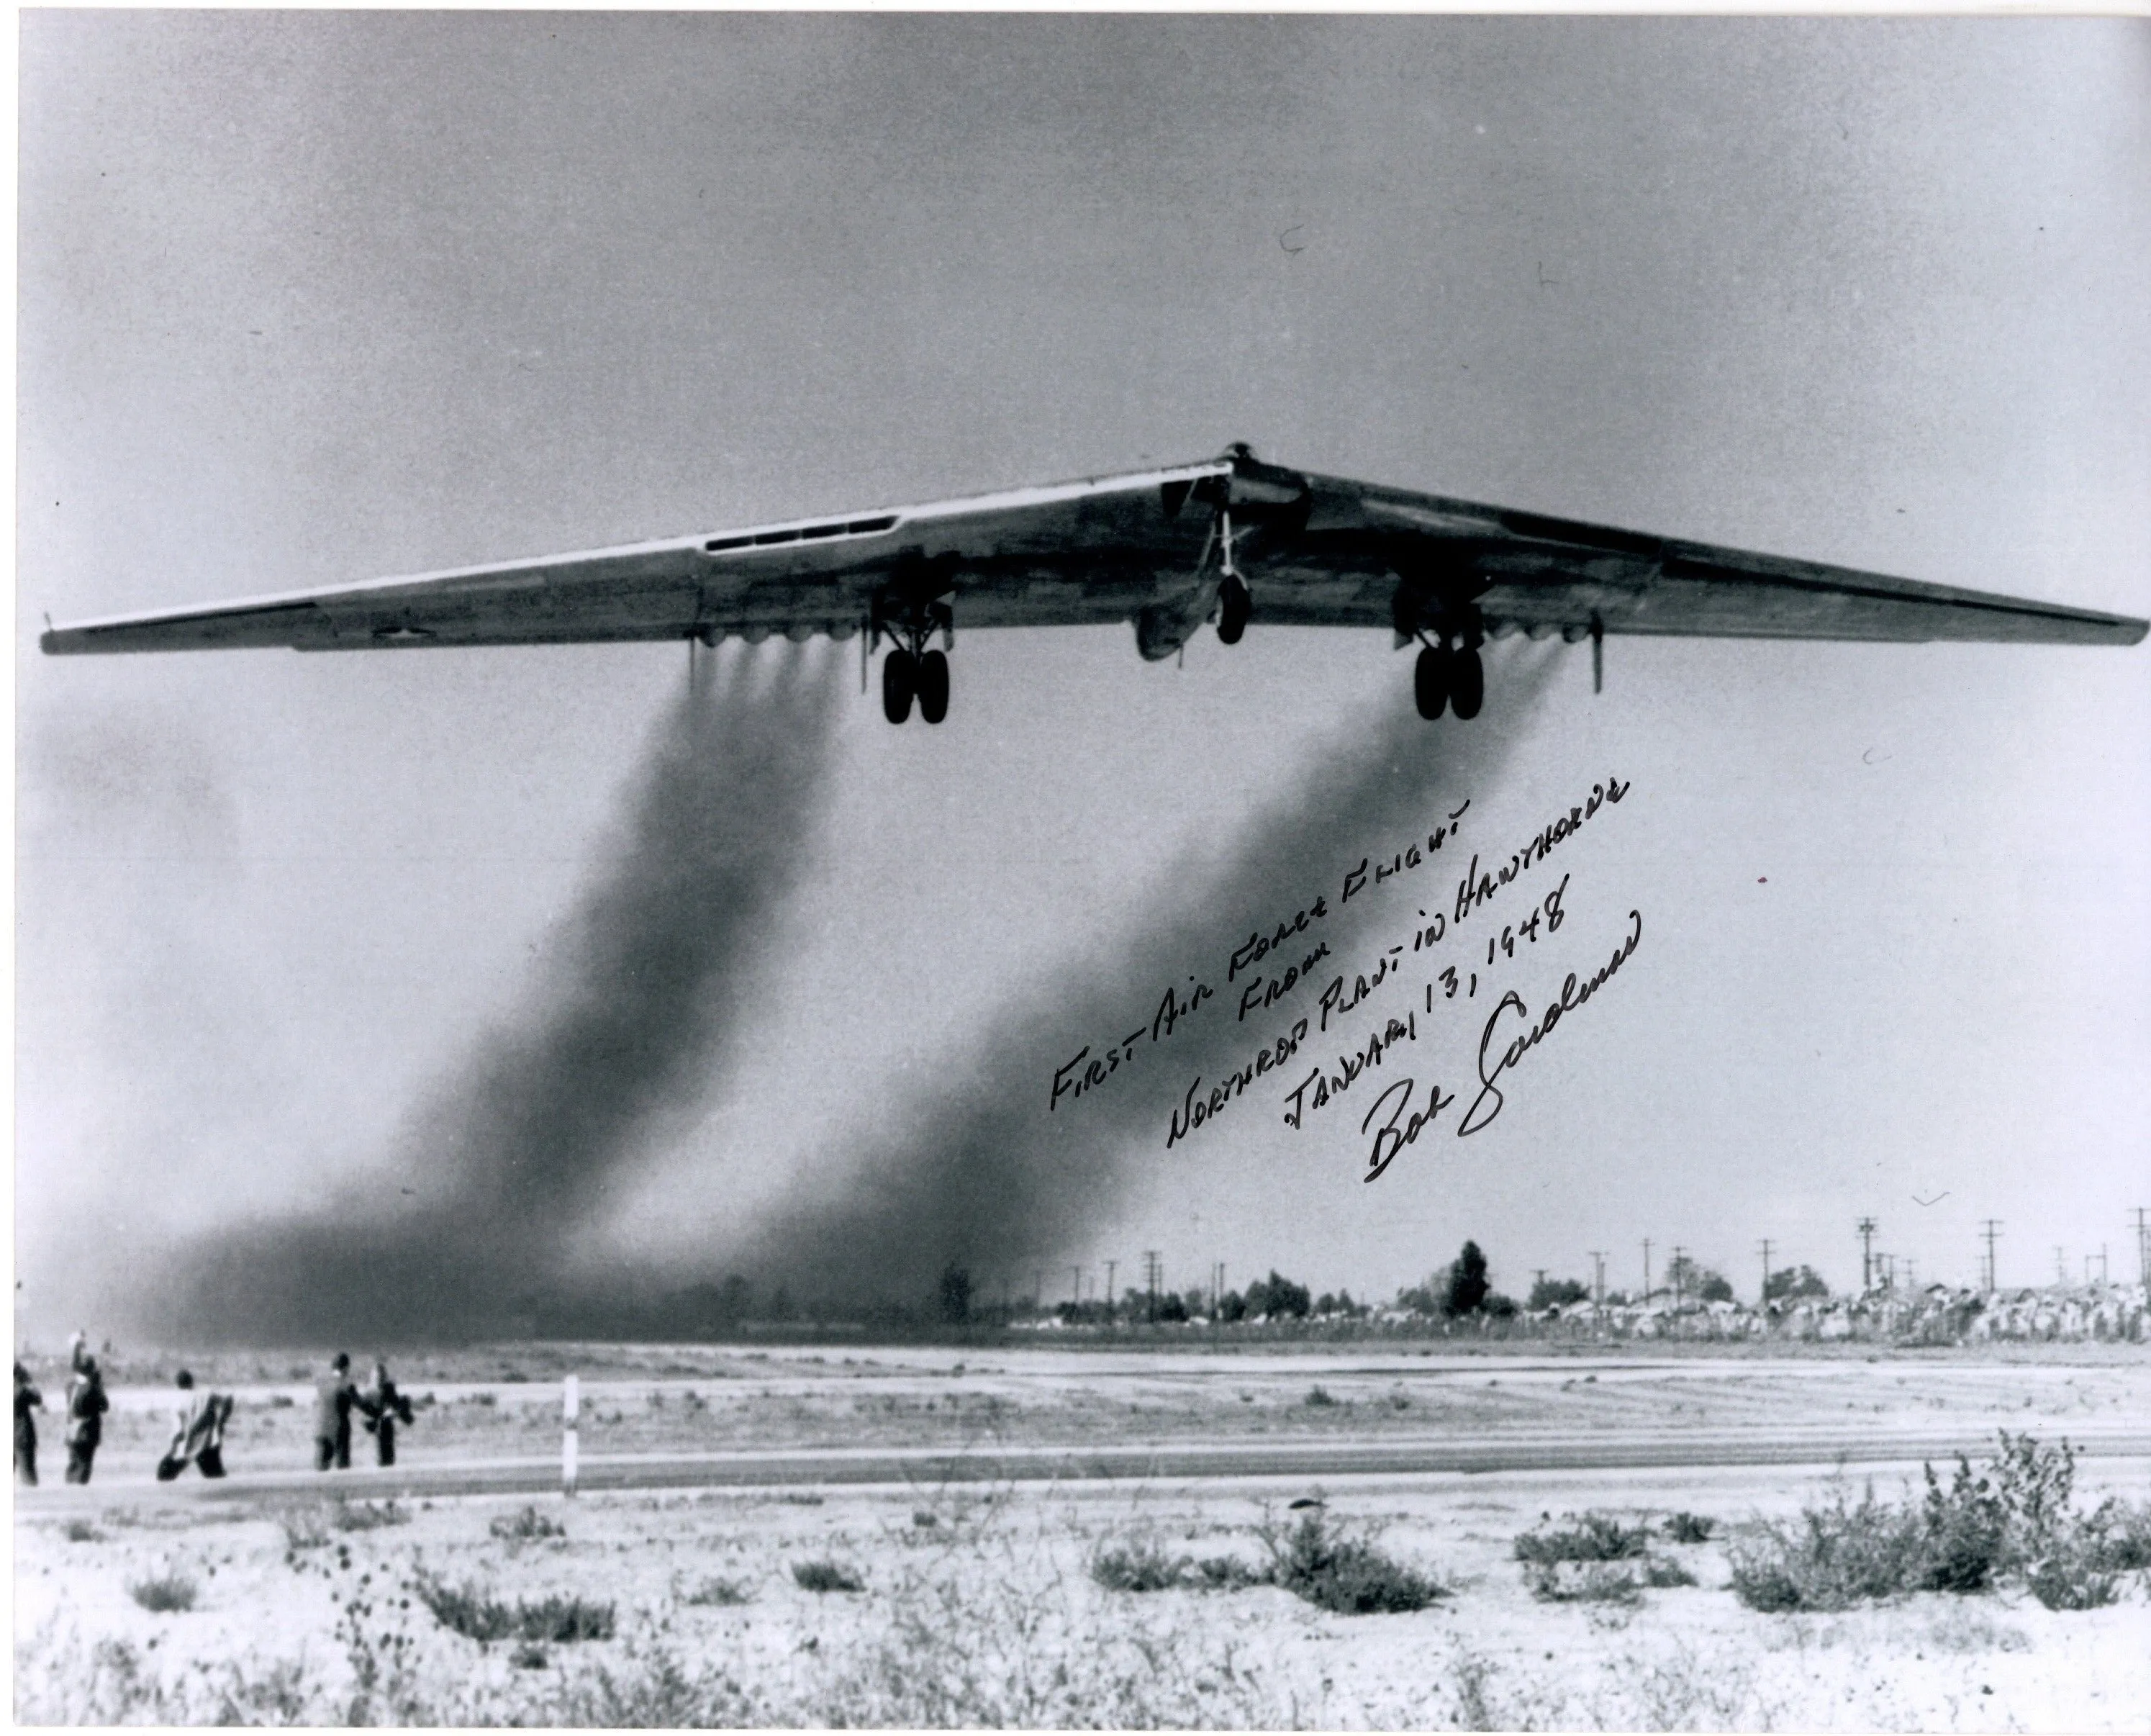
point(1661, 1574)
point(721, 1593)
point(1139, 1567)
point(2120, 1535)
point(1317, 1398)
point(81, 1531)
point(305, 1527)
point(2070, 1582)
point(166, 1594)
point(477, 1614)
point(826, 1577)
point(1342, 1573)
point(1690, 1528)
point(366, 1516)
point(1833, 1556)
point(1594, 1538)
point(529, 1655)
point(1573, 1581)
point(2011, 1519)
point(529, 1526)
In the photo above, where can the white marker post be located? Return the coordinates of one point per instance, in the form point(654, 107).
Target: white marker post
point(571, 1402)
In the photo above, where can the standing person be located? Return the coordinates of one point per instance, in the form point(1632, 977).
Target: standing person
point(199, 1438)
point(335, 1398)
point(27, 1399)
point(384, 1407)
point(86, 1405)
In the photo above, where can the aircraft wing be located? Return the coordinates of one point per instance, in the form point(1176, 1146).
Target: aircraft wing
point(1151, 547)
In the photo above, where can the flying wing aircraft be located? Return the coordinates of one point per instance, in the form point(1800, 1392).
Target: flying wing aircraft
point(1232, 540)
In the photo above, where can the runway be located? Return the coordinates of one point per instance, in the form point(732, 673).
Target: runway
point(1815, 1448)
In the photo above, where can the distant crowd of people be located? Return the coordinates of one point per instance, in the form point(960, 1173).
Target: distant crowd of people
point(199, 1438)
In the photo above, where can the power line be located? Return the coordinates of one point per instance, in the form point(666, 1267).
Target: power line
point(1990, 1228)
point(1866, 1255)
point(1764, 1295)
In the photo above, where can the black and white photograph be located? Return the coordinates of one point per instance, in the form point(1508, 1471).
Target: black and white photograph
point(1153, 870)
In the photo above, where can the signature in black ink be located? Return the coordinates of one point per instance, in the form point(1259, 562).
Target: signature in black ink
point(1572, 996)
point(1390, 1138)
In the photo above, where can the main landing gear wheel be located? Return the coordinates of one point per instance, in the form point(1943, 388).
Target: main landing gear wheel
point(1234, 606)
point(899, 681)
point(1430, 681)
point(1467, 683)
point(932, 682)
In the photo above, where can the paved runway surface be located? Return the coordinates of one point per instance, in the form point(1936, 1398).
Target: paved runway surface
point(1822, 1446)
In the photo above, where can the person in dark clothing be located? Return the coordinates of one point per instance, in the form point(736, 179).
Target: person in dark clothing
point(335, 1398)
point(199, 1438)
point(86, 1405)
point(27, 1399)
point(384, 1407)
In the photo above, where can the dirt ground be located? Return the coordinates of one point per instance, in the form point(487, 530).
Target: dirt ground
point(976, 1601)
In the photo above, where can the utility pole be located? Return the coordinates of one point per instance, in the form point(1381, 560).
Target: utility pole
point(1647, 1268)
point(1038, 1291)
point(1150, 1284)
point(1866, 1255)
point(1765, 1293)
point(1990, 1228)
point(1598, 1277)
point(1677, 1272)
point(2143, 1249)
point(1911, 1274)
point(2061, 1269)
point(1110, 1292)
point(1077, 1281)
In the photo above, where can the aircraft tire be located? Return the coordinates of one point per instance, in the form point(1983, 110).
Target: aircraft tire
point(933, 686)
point(1467, 684)
point(1430, 682)
point(899, 681)
point(1234, 606)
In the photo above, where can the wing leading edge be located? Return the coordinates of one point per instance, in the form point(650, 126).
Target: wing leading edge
point(1228, 539)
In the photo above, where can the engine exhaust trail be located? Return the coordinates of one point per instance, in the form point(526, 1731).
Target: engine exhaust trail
point(978, 1167)
point(519, 1149)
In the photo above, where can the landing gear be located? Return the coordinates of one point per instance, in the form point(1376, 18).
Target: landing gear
point(1234, 606)
point(1467, 683)
point(932, 683)
point(1430, 681)
point(899, 681)
point(1451, 678)
point(910, 671)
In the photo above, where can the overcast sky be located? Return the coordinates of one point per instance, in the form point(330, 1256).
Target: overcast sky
point(307, 298)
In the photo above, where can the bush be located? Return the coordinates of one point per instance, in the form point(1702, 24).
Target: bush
point(529, 1526)
point(1690, 1528)
point(2010, 1521)
point(723, 1593)
point(826, 1577)
point(167, 1594)
point(477, 1614)
point(1343, 1574)
point(81, 1531)
point(1139, 1567)
point(1594, 1538)
point(367, 1515)
point(1317, 1398)
point(1572, 1581)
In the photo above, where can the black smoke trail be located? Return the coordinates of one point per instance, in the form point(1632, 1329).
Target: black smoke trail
point(975, 1169)
point(517, 1151)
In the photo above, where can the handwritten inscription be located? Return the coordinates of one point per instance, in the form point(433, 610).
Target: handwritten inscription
point(1326, 1084)
point(1573, 995)
point(1405, 1124)
point(1476, 888)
